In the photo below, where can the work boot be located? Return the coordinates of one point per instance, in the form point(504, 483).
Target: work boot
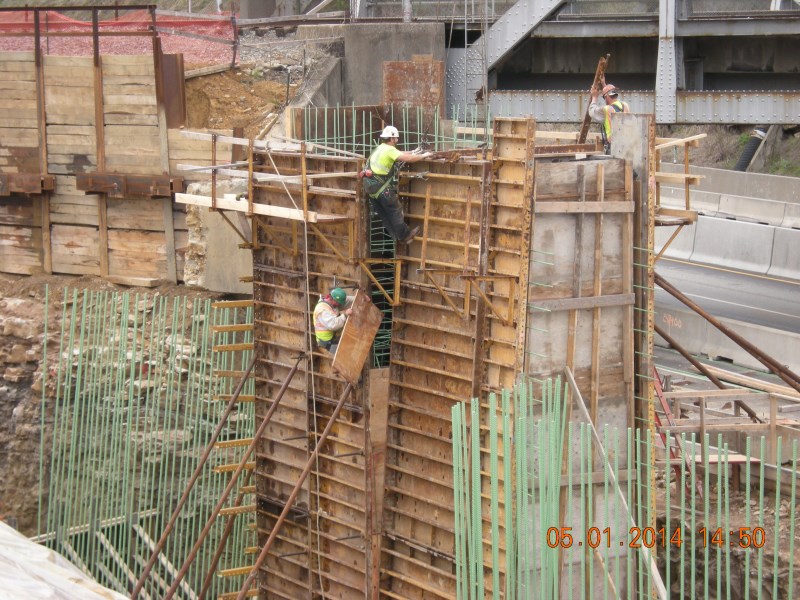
point(411, 235)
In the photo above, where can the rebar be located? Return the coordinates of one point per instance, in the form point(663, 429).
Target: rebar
point(700, 557)
point(131, 392)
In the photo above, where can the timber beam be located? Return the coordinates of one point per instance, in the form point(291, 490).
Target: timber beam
point(116, 185)
point(25, 183)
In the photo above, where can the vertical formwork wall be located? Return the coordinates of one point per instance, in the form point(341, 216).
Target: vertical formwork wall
point(323, 544)
point(550, 285)
point(456, 335)
point(523, 267)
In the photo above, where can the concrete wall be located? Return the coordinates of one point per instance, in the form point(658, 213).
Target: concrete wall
point(753, 185)
point(748, 221)
point(324, 86)
point(368, 46)
point(214, 260)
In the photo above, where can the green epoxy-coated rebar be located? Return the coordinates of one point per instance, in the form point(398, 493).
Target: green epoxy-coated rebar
point(629, 564)
point(475, 497)
point(721, 460)
point(132, 405)
point(747, 518)
point(776, 528)
point(706, 523)
point(761, 478)
point(726, 527)
point(693, 509)
point(509, 591)
point(458, 486)
point(536, 449)
point(792, 513)
point(495, 496)
point(667, 498)
point(682, 522)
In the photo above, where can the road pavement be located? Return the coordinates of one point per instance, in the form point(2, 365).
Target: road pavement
point(756, 299)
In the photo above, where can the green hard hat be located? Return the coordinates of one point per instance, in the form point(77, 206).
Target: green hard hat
point(339, 295)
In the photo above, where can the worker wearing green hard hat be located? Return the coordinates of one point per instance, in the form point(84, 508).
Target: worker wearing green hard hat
point(330, 315)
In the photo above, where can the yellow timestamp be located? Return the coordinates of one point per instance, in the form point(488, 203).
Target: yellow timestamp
point(650, 537)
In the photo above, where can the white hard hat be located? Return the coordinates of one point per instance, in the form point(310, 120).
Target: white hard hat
point(390, 132)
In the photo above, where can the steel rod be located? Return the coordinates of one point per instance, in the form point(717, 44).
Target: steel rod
point(234, 478)
point(780, 370)
point(293, 496)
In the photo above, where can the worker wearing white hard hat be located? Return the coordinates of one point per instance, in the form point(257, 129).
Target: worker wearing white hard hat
point(603, 114)
point(380, 183)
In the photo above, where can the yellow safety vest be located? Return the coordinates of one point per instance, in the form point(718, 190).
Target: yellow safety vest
point(323, 334)
point(383, 158)
point(614, 107)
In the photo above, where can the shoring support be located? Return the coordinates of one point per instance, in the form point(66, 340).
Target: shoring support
point(293, 496)
point(192, 480)
point(647, 556)
point(234, 478)
point(791, 378)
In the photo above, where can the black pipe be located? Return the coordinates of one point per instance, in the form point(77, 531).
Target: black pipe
point(756, 137)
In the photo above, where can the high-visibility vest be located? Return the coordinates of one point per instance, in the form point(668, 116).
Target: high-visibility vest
point(323, 334)
point(382, 160)
point(614, 107)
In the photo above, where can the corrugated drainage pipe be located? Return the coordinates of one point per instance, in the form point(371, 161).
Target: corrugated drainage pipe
point(756, 137)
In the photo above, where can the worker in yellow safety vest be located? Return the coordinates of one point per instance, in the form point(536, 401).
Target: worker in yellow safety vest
point(603, 114)
point(330, 315)
point(380, 183)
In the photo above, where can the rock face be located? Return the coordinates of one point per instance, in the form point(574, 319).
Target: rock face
point(21, 345)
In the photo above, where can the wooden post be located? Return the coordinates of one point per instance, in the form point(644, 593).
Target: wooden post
point(100, 143)
point(599, 76)
point(47, 249)
point(166, 207)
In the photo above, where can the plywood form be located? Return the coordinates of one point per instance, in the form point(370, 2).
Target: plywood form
point(75, 250)
point(334, 536)
point(436, 361)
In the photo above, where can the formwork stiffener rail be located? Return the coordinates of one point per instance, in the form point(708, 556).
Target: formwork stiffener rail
point(192, 480)
point(234, 478)
point(295, 492)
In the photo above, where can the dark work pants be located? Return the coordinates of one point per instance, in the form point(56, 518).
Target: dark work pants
point(387, 207)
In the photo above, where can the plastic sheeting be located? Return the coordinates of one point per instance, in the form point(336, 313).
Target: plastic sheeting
point(29, 571)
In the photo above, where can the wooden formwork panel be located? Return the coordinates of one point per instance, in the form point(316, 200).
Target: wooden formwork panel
point(132, 234)
point(455, 337)
point(328, 539)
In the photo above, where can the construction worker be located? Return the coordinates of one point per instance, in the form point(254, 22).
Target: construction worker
point(381, 183)
point(603, 114)
point(330, 315)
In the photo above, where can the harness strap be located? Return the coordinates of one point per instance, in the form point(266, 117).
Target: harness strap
point(389, 177)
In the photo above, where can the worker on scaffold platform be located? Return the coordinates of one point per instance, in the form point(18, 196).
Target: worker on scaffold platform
point(380, 183)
